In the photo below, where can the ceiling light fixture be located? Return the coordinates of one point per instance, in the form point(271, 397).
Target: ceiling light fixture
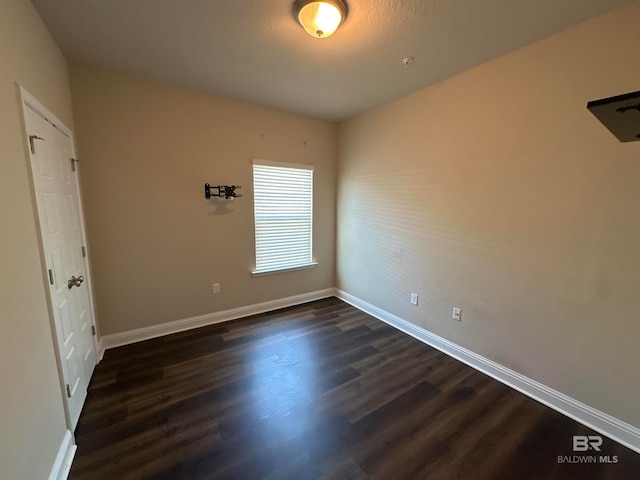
point(320, 18)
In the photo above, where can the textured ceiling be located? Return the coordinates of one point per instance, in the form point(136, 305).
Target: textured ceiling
point(254, 50)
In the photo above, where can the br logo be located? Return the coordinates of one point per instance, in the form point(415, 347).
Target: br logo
point(582, 443)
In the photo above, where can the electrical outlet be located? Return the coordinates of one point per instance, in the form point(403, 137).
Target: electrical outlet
point(414, 299)
point(457, 314)
point(216, 288)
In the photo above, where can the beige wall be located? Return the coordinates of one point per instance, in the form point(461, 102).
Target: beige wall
point(498, 192)
point(157, 245)
point(32, 422)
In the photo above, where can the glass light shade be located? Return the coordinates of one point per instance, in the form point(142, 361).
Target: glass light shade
point(320, 18)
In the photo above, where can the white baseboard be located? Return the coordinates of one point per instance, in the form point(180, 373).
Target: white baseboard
point(62, 465)
point(601, 422)
point(145, 333)
point(101, 349)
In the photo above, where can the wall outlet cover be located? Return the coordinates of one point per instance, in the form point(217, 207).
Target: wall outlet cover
point(414, 299)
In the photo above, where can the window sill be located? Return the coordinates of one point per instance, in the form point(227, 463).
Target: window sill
point(283, 270)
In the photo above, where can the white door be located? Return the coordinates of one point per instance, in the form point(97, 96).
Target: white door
point(59, 210)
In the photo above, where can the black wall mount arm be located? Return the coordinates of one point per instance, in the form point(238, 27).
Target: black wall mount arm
point(620, 114)
point(223, 191)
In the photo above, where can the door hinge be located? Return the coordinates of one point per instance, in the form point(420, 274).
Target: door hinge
point(51, 276)
point(74, 161)
point(84, 252)
point(93, 330)
point(68, 391)
point(31, 145)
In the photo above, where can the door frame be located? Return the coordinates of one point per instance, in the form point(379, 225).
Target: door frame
point(28, 101)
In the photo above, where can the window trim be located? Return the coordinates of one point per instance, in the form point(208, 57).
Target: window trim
point(262, 273)
point(269, 163)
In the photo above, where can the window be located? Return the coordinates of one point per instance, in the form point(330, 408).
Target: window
point(283, 204)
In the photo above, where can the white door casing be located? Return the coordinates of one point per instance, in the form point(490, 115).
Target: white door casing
point(64, 248)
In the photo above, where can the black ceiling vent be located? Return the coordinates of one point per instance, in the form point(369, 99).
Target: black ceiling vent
point(620, 114)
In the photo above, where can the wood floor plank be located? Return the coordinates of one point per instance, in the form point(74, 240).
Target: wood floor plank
point(317, 391)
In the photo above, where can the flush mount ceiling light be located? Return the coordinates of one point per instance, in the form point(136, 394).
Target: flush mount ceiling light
point(320, 18)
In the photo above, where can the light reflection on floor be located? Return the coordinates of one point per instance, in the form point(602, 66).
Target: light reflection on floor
point(283, 387)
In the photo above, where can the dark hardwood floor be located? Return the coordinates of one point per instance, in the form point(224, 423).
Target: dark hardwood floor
point(318, 391)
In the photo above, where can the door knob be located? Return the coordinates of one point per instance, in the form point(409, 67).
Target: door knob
point(75, 282)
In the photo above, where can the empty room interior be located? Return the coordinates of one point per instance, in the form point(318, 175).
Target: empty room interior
point(238, 242)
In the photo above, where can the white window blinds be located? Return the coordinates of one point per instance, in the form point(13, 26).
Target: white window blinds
point(283, 205)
